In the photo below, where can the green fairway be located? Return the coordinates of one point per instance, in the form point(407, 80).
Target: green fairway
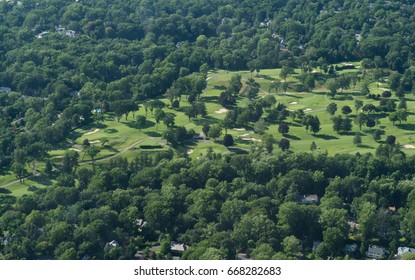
point(123, 138)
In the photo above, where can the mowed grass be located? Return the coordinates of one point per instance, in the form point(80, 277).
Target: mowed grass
point(119, 136)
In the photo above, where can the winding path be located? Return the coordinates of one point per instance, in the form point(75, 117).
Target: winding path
point(34, 174)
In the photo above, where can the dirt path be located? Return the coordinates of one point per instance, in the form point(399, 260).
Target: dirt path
point(34, 174)
point(121, 152)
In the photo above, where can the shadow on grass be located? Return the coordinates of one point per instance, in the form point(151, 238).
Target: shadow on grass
point(266, 77)
point(210, 99)
point(205, 120)
point(365, 146)
point(237, 151)
point(110, 130)
point(153, 133)
point(406, 126)
point(42, 180)
point(221, 87)
point(326, 137)
point(148, 124)
point(291, 137)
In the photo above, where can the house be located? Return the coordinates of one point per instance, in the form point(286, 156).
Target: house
point(404, 250)
point(350, 248)
point(5, 89)
point(141, 224)
point(42, 34)
point(309, 199)
point(178, 247)
point(114, 244)
point(375, 252)
point(391, 210)
point(243, 257)
point(315, 245)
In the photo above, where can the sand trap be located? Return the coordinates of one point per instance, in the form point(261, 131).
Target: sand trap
point(95, 142)
point(75, 149)
point(294, 103)
point(244, 135)
point(221, 111)
point(190, 151)
point(408, 146)
point(307, 110)
point(91, 132)
point(239, 129)
point(251, 139)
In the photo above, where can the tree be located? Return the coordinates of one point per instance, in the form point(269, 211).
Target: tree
point(235, 84)
point(214, 132)
point(346, 110)
point(141, 122)
point(358, 104)
point(365, 90)
point(393, 117)
point(292, 246)
point(19, 170)
point(315, 124)
point(386, 94)
point(332, 86)
point(228, 140)
point(390, 140)
point(283, 128)
point(284, 144)
point(168, 119)
point(360, 120)
point(268, 141)
point(357, 139)
point(260, 126)
point(377, 134)
point(313, 146)
point(92, 152)
point(332, 108)
point(402, 115)
point(158, 116)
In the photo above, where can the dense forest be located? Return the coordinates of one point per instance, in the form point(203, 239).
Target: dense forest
point(63, 61)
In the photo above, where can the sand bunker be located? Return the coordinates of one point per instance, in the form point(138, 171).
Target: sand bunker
point(91, 132)
point(75, 149)
point(221, 111)
point(294, 103)
point(307, 110)
point(95, 142)
point(190, 151)
point(251, 139)
point(239, 129)
point(244, 135)
point(408, 146)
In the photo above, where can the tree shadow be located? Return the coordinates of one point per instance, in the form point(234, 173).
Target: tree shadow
point(110, 130)
point(406, 126)
point(291, 137)
point(237, 151)
point(210, 99)
point(148, 124)
point(221, 87)
point(205, 120)
point(43, 180)
point(365, 146)
point(266, 77)
point(326, 137)
point(153, 133)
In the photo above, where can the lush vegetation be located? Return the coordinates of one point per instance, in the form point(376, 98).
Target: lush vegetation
point(211, 121)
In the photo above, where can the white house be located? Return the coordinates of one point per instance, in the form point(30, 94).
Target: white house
point(404, 250)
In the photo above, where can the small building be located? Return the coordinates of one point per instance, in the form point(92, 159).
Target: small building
point(5, 89)
point(315, 246)
point(243, 257)
point(350, 248)
point(309, 199)
point(178, 247)
point(375, 252)
point(140, 224)
point(114, 244)
point(404, 250)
